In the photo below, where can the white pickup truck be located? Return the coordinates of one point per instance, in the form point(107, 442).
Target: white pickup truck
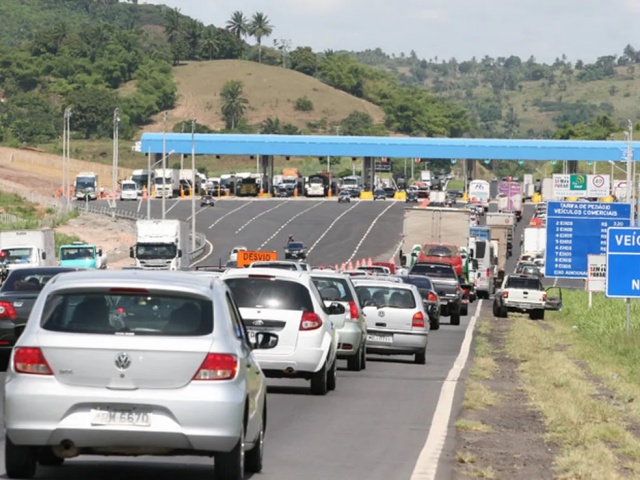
point(525, 294)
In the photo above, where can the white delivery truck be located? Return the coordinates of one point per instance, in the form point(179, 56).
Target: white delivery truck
point(167, 182)
point(534, 241)
point(143, 178)
point(162, 245)
point(27, 248)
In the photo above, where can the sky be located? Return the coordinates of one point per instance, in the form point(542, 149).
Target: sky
point(461, 29)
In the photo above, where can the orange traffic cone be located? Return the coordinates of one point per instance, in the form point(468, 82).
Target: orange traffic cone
point(370, 263)
point(350, 266)
point(364, 262)
point(337, 267)
point(357, 264)
point(343, 267)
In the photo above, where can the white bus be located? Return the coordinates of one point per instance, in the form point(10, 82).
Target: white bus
point(479, 193)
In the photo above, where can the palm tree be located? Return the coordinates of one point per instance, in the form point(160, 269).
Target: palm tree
point(238, 24)
point(234, 105)
point(259, 28)
point(172, 24)
point(209, 42)
point(193, 34)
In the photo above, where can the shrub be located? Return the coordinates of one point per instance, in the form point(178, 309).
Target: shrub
point(304, 104)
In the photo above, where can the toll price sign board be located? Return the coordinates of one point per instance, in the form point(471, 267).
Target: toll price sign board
point(576, 230)
point(623, 263)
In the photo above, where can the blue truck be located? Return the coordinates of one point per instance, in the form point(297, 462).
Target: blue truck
point(81, 255)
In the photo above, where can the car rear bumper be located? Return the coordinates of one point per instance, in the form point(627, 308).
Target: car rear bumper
point(350, 337)
point(400, 343)
point(524, 306)
point(297, 364)
point(199, 417)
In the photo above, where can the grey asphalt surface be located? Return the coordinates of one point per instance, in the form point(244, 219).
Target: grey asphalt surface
point(376, 422)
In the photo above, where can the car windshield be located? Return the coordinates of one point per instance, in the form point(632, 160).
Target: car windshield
point(108, 313)
point(386, 297)
point(128, 186)
point(333, 288)
point(524, 283)
point(270, 293)
point(440, 251)
point(155, 250)
point(76, 253)
point(295, 246)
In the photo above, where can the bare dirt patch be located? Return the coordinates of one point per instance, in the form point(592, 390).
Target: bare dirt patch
point(512, 445)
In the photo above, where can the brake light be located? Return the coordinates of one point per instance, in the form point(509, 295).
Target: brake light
point(261, 276)
point(417, 320)
point(431, 297)
point(353, 310)
point(310, 321)
point(505, 294)
point(31, 361)
point(488, 272)
point(217, 366)
point(128, 290)
point(7, 310)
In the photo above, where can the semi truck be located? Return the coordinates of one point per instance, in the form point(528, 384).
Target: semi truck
point(510, 198)
point(142, 179)
point(27, 248)
point(162, 245)
point(86, 186)
point(167, 182)
point(82, 255)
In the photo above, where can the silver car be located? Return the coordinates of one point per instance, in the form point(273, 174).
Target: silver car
point(350, 326)
point(135, 363)
point(397, 323)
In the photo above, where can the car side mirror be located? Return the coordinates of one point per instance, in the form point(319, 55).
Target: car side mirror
point(336, 309)
point(100, 252)
point(265, 341)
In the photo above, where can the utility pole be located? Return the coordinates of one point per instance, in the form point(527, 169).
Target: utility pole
point(630, 200)
point(193, 184)
point(149, 189)
point(114, 173)
point(66, 160)
point(164, 164)
point(182, 154)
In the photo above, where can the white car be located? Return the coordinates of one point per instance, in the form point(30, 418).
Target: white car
point(288, 304)
point(293, 265)
point(234, 253)
point(128, 190)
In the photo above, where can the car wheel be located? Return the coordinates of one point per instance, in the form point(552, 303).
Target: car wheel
point(464, 310)
point(434, 324)
point(503, 312)
point(253, 458)
point(332, 376)
point(230, 465)
point(354, 363)
point(363, 362)
point(319, 381)
point(47, 458)
point(495, 310)
point(19, 461)
point(421, 358)
point(455, 318)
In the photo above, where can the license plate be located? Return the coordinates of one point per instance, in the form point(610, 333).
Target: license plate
point(380, 338)
point(118, 416)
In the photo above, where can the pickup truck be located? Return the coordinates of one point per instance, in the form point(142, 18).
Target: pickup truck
point(526, 294)
point(447, 285)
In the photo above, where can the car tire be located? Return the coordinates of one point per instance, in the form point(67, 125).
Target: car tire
point(464, 310)
point(253, 458)
point(332, 376)
point(455, 318)
point(364, 356)
point(354, 363)
point(230, 465)
point(19, 461)
point(434, 324)
point(319, 381)
point(503, 312)
point(421, 358)
point(47, 458)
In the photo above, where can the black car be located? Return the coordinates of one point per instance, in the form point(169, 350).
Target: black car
point(207, 201)
point(17, 296)
point(344, 196)
point(429, 297)
point(379, 194)
point(295, 251)
point(390, 191)
point(355, 192)
point(412, 197)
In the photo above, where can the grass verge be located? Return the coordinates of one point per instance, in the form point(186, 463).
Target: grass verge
point(477, 395)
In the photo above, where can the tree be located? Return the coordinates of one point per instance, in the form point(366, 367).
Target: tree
point(172, 25)
point(92, 110)
point(303, 60)
point(238, 24)
point(234, 105)
point(209, 42)
point(259, 28)
point(192, 35)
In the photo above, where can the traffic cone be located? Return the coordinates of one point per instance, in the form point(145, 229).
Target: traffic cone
point(337, 269)
point(181, 192)
point(350, 266)
point(370, 263)
point(364, 262)
point(343, 267)
point(357, 264)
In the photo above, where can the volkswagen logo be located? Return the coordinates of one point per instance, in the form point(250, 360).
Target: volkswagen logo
point(258, 322)
point(380, 313)
point(123, 361)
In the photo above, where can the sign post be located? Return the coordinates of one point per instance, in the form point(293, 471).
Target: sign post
point(576, 230)
point(623, 265)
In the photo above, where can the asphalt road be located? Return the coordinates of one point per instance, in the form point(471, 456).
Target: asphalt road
point(375, 424)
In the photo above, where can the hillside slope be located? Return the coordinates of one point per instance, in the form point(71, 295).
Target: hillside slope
point(271, 92)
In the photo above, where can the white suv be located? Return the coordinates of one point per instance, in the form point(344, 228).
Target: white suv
point(288, 304)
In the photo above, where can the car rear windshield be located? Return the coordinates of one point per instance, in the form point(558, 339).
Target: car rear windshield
point(281, 266)
point(481, 248)
point(440, 251)
point(386, 297)
point(524, 283)
point(430, 270)
point(421, 282)
point(333, 289)
point(109, 313)
point(28, 280)
point(296, 246)
point(267, 293)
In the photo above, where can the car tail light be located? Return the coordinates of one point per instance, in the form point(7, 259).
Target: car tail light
point(353, 310)
point(7, 311)
point(310, 321)
point(431, 297)
point(30, 360)
point(488, 272)
point(505, 294)
point(544, 297)
point(417, 320)
point(129, 290)
point(217, 366)
point(261, 276)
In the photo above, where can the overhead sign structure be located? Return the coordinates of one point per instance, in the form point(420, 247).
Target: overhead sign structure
point(580, 185)
point(623, 263)
point(596, 274)
point(576, 230)
point(247, 257)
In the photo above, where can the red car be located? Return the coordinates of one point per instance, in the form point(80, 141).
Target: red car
point(443, 253)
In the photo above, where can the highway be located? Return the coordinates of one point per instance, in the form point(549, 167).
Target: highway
point(375, 425)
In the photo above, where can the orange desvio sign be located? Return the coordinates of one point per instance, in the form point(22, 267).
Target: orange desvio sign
point(247, 257)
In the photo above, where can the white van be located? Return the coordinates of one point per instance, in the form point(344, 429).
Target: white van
point(484, 277)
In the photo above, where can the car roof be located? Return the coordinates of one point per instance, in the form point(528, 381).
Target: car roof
point(368, 282)
point(328, 274)
point(275, 272)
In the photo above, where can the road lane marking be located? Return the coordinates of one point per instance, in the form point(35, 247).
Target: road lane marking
point(229, 213)
point(171, 207)
point(331, 226)
point(287, 223)
point(366, 234)
point(259, 215)
point(427, 464)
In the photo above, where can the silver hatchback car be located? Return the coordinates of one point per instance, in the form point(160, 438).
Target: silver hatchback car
point(135, 363)
point(397, 323)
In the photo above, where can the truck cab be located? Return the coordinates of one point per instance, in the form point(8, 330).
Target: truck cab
point(161, 245)
point(80, 254)
point(442, 253)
